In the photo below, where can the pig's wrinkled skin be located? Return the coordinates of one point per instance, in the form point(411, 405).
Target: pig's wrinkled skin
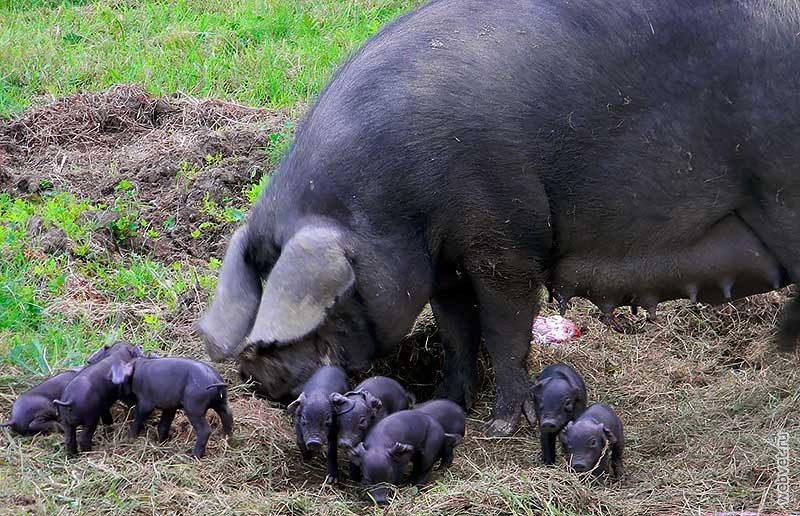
point(33, 412)
point(592, 439)
point(171, 384)
point(627, 152)
point(315, 425)
point(88, 398)
point(453, 420)
point(403, 440)
point(559, 394)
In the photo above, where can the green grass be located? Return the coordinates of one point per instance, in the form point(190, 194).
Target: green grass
point(260, 52)
point(84, 289)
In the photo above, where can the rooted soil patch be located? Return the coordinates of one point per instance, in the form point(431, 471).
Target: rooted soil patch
point(167, 158)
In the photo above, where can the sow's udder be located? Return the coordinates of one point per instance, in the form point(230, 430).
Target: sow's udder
point(728, 262)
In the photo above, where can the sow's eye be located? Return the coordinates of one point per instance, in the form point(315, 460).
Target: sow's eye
point(328, 420)
point(362, 423)
point(593, 442)
point(568, 404)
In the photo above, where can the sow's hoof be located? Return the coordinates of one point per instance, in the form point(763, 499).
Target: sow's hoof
point(498, 428)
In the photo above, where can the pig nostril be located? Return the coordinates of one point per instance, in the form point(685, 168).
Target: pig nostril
point(313, 443)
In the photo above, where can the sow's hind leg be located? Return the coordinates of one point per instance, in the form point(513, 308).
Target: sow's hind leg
point(506, 311)
point(776, 221)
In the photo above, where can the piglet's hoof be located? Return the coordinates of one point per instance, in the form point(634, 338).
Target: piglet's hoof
point(331, 480)
point(497, 428)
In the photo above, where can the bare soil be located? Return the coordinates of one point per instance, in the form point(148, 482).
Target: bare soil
point(176, 152)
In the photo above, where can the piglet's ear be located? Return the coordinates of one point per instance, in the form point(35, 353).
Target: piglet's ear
point(400, 450)
point(612, 439)
point(341, 404)
point(356, 453)
point(562, 435)
point(97, 355)
point(374, 403)
point(539, 386)
point(297, 404)
point(121, 372)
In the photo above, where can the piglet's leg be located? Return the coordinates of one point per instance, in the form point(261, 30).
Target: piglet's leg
point(69, 440)
point(423, 467)
point(142, 411)
point(616, 463)
point(87, 433)
point(354, 472)
point(333, 459)
point(106, 417)
point(548, 441)
point(225, 417)
point(447, 455)
point(167, 415)
point(203, 431)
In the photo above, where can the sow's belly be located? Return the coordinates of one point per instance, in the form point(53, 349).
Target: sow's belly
point(728, 262)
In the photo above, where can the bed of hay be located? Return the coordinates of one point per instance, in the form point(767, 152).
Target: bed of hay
point(701, 392)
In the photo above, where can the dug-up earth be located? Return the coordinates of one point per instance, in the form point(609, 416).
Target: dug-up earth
point(178, 157)
point(709, 408)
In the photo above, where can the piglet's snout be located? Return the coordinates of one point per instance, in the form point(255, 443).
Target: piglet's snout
point(314, 443)
point(380, 495)
point(549, 425)
point(580, 466)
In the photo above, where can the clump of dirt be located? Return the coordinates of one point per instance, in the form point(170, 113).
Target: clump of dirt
point(171, 164)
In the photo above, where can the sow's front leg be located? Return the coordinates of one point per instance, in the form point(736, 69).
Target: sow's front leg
point(455, 310)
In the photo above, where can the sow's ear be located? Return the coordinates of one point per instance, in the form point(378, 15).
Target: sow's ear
point(235, 304)
point(311, 274)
